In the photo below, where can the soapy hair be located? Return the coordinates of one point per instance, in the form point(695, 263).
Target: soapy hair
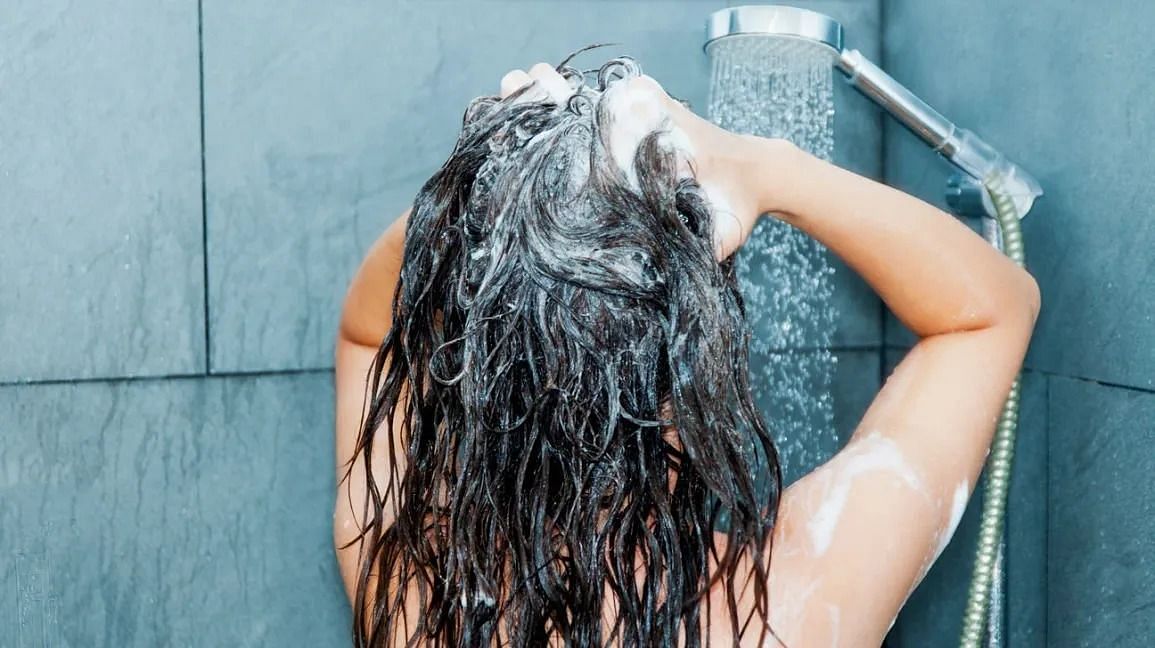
point(567, 367)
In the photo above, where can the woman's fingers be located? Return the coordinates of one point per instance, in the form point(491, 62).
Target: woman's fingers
point(548, 84)
point(512, 81)
point(553, 82)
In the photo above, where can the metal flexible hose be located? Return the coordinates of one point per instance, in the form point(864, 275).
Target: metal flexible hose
point(993, 520)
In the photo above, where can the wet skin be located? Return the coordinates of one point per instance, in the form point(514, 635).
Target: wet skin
point(854, 537)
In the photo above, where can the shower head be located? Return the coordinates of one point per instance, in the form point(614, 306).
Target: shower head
point(775, 20)
point(959, 146)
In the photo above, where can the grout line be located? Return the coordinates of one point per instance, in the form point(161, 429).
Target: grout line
point(1104, 383)
point(1054, 374)
point(257, 373)
point(204, 192)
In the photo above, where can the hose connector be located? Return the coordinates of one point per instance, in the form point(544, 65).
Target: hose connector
point(982, 162)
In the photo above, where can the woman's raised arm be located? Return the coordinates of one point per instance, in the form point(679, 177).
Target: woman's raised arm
point(859, 533)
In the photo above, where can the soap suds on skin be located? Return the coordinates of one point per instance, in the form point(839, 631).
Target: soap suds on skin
point(721, 209)
point(835, 623)
point(958, 505)
point(789, 612)
point(873, 454)
point(944, 535)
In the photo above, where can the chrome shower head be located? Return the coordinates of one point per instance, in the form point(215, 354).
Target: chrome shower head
point(961, 147)
point(775, 20)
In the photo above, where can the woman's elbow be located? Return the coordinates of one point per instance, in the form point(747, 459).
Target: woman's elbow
point(1034, 297)
point(1029, 298)
point(1016, 302)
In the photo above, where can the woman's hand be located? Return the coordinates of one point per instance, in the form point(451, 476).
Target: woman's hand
point(735, 171)
point(550, 84)
point(731, 168)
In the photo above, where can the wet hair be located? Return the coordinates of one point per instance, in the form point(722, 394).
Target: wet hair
point(567, 367)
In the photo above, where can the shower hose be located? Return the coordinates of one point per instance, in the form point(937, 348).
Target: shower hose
point(982, 617)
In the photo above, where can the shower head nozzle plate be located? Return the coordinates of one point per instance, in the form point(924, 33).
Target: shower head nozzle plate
point(774, 20)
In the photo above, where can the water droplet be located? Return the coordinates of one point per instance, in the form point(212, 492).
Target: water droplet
point(784, 88)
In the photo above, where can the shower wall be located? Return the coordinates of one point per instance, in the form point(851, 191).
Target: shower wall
point(185, 190)
point(1062, 87)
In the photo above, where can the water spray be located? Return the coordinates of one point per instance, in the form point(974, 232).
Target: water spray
point(755, 45)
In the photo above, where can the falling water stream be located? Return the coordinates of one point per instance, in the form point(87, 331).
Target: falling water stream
point(783, 88)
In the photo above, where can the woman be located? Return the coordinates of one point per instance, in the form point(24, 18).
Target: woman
point(565, 308)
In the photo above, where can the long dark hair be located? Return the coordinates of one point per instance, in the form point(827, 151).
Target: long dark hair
point(567, 366)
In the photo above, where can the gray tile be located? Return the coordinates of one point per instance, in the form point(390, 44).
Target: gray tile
point(858, 307)
point(1026, 553)
point(895, 333)
point(175, 512)
point(804, 436)
point(1102, 519)
point(1089, 239)
point(933, 614)
point(856, 382)
point(100, 255)
point(322, 124)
